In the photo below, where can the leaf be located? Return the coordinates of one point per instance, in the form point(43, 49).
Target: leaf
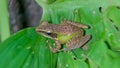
point(26, 49)
point(103, 48)
point(105, 34)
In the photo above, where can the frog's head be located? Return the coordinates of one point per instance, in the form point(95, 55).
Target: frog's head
point(45, 29)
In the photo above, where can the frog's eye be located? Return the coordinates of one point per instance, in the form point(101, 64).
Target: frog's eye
point(49, 33)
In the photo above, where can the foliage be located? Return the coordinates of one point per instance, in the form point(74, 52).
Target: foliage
point(4, 22)
point(28, 49)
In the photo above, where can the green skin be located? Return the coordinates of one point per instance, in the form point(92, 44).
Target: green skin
point(69, 33)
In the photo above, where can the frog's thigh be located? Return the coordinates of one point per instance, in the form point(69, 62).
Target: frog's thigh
point(57, 48)
point(76, 42)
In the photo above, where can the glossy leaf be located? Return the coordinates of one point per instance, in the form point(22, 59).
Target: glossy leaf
point(28, 49)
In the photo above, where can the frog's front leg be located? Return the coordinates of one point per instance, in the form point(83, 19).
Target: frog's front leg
point(57, 48)
point(76, 42)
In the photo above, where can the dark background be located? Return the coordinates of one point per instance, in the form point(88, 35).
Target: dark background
point(23, 14)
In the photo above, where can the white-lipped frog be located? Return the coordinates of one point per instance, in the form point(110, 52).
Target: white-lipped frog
point(67, 32)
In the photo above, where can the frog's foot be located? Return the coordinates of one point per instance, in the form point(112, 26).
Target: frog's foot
point(57, 48)
point(76, 42)
point(84, 47)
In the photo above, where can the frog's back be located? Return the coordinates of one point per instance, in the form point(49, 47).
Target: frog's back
point(66, 29)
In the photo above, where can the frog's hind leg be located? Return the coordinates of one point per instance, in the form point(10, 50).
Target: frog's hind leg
point(76, 42)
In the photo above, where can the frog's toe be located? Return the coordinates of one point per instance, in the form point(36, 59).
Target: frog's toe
point(67, 49)
point(53, 50)
point(84, 47)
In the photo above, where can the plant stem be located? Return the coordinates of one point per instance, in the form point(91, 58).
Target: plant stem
point(4, 20)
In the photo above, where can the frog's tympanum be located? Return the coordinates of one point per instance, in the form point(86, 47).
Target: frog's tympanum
point(67, 32)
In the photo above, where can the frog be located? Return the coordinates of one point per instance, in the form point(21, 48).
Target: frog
point(68, 33)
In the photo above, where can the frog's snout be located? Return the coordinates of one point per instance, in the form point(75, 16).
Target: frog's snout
point(37, 29)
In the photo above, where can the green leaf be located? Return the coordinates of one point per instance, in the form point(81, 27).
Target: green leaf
point(112, 16)
point(28, 49)
point(105, 34)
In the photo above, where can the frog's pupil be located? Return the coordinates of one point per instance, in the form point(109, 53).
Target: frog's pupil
point(49, 33)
